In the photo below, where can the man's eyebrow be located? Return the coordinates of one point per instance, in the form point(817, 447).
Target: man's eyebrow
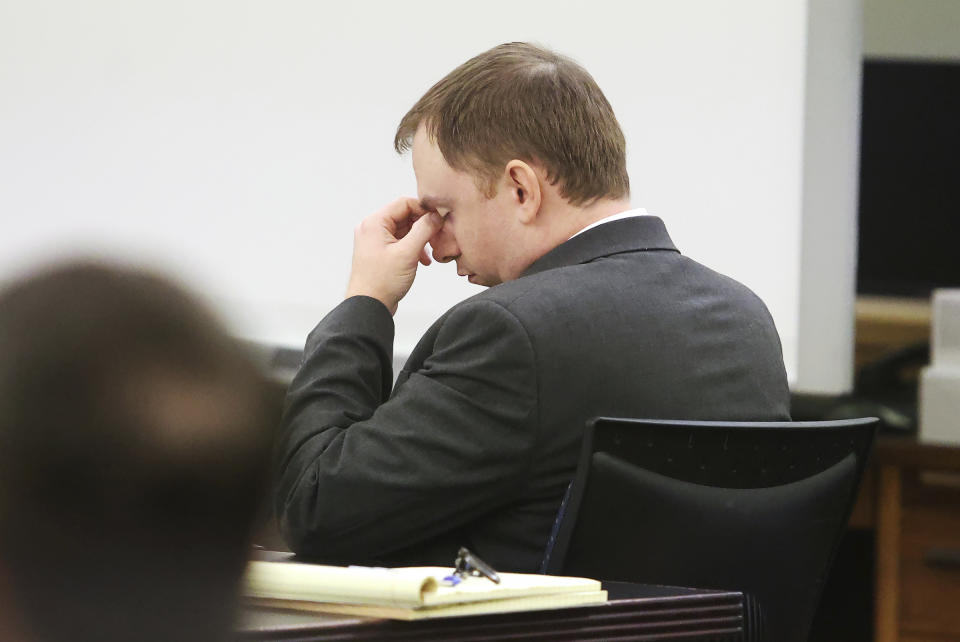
point(432, 203)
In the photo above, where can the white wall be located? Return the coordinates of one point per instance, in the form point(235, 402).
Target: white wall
point(830, 180)
point(238, 143)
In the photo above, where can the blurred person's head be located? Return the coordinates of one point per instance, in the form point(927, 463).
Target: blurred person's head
point(134, 441)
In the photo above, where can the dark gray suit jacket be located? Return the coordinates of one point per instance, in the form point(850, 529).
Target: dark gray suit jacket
point(480, 436)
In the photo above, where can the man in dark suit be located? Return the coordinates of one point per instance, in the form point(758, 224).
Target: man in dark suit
point(591, 311)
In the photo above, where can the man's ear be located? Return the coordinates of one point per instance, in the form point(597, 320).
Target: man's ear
point(524, 186)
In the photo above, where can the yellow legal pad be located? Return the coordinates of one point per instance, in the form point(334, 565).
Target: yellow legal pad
point(409, 593)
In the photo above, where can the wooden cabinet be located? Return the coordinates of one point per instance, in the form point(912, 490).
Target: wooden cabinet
point(915, 490)
point(911, 497)
point(930, 555)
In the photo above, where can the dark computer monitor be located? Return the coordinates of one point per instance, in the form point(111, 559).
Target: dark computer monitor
point(909, 214)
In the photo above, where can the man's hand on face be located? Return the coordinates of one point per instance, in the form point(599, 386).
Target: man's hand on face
point(387, 246)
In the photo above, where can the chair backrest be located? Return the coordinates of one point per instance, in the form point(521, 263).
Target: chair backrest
point(757, 507)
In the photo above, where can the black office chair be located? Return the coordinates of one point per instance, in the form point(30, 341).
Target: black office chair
point(754, 507)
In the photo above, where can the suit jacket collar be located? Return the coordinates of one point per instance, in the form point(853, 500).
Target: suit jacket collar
point(635, 234)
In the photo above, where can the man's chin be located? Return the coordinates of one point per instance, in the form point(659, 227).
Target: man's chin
point(486, 282)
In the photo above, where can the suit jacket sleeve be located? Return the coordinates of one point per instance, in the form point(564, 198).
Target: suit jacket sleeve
point(362, 475)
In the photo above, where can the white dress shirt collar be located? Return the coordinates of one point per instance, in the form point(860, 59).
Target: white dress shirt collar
point(639, 211)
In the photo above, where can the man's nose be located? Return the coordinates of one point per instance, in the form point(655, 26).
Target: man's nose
point(444, 246)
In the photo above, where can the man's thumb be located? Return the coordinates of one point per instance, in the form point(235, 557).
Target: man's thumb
point(421, 231)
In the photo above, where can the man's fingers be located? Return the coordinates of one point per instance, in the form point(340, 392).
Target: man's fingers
point(421, 231)
point(402, 208)
point(387, 245)
point(399, 216)
point(414, 206)
point(400, 212)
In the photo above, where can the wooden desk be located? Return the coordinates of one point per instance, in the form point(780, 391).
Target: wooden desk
point(911, 496)
point(648, 613)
